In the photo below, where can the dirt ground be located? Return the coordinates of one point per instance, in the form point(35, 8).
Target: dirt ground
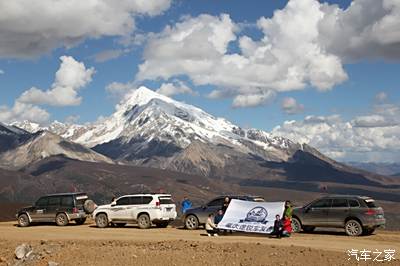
point(88, 245)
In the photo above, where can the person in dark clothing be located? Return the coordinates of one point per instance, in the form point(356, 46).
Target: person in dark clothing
point(225, 205)
point(219, 216)
point(278, 227)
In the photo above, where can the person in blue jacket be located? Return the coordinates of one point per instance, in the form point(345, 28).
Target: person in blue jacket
point(186, 204)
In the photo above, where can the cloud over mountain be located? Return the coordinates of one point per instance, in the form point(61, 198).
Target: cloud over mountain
point(32, 28)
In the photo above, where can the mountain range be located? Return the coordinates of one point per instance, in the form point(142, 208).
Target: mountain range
point(152, 141)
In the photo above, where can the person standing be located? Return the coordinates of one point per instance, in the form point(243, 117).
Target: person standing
point(186, 204)
point(225, 205)
point(288, 210)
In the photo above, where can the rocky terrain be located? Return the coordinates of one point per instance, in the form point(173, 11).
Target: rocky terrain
point(87, 245)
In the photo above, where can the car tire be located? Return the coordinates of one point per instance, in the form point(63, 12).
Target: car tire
point(296, 225)
point(89, 206)
point(120, 224)
point(353, 228)
point(23, 220)
point(80, 221)
point(101, 220)
point(144, 221)
point(62, 219)
point(191, 222)
point(162, 224)
point(308, 229)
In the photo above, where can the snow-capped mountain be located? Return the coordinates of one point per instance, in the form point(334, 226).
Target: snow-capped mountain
point(19, 148)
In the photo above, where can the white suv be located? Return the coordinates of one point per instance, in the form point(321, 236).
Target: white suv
point(144, 209)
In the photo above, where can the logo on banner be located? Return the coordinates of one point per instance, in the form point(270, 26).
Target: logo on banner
point(256, 215)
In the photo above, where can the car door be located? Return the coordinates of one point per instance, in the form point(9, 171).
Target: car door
point(135, 204)
point(338, 212)
point(40, 209)
point(119, 211)
point(316, 214)
point(52, 209)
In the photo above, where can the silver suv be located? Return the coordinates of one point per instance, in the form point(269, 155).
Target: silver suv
point(356, 214)
point(195, 217)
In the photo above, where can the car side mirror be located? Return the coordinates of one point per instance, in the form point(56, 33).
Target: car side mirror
point(204, 207)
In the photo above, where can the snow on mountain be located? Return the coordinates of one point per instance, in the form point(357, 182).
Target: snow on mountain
point(147, 116)
point(45, 144)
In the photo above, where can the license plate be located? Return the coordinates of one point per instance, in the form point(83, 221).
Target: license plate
point(379, 216)
point(168, 209)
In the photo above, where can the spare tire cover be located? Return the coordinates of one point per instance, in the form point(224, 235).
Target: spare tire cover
point(89, 206)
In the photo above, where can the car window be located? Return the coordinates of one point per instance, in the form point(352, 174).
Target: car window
point(54, 201)
point(41, 202)
point(322, 203)
point(146, 199)
point(166, 200)
point(67, 201)
point(354, 203)
point(339, 203)
point(135, 200)
point(216, 202)
point(370, 203)
point(123, 201)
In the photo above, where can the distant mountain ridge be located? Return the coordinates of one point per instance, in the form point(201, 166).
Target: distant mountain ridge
point(152, 130)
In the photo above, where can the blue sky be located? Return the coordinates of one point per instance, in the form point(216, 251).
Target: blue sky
point(363, 72)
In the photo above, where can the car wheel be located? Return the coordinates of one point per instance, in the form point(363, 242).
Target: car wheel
point(23, 220)
point(62, 219)
point(144, 221)
point(296, 225)
point(308, 229)
point(101, 220)
point(120, 224)
point(353, 228)
point(191, 222)
point(162, 224)
point(80, 221)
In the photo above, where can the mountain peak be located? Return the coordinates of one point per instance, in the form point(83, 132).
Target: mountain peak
point(142, 96)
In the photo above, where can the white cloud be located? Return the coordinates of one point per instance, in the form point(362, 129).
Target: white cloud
point(118, 90)
point(370, 137)
point(2, 72)
point(31, 28)
point(304, 44)
point(174, 88)
point(69, 79)
point(252, 100)
point(107, 55)
point(381, 96)
point(288, 57)
point(72, 119)
point(366, 29)
point(290, 106)
point(21, 111)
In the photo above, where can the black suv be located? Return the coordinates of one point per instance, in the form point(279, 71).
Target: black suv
point(195, 217)
point(356, 214)
point(59, 208)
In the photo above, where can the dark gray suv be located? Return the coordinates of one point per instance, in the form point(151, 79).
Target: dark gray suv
point(195, 217)
point(356, 214)
point(59, 208)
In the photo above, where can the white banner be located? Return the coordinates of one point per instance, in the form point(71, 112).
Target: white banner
point(251, 217)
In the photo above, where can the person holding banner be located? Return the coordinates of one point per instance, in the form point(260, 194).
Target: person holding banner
point(211, 228)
